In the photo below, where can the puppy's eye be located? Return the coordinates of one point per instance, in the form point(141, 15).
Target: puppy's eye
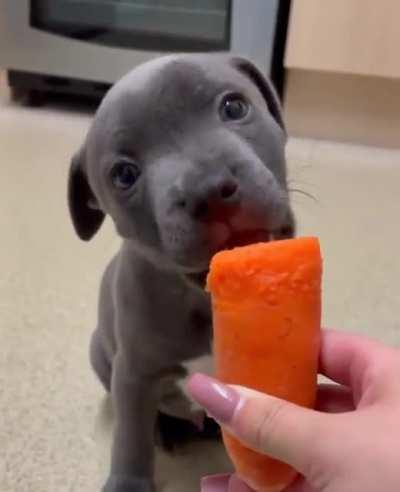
point(234, 107)
point(124, 175)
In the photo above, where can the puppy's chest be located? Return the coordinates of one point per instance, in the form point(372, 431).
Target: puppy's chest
point(196, 332)
point(199, 320)
point(190, 323)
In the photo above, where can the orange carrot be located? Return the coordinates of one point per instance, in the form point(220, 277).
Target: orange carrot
point(266, 314)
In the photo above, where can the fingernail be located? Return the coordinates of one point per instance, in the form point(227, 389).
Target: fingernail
point(215, 483)
point(217, 398)
point(236, 485)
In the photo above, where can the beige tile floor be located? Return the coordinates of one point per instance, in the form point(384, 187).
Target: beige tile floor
point(54, 421)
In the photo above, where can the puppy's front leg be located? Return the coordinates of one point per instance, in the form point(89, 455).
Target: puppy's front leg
point(135, 399)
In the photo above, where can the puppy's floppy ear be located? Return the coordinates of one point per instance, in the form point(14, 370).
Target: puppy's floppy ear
point(248, 68)
point(83, 208)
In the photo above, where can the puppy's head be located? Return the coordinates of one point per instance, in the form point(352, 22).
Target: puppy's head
point(186, 154)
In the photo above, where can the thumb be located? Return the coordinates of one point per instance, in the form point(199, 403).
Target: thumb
point(264, 423)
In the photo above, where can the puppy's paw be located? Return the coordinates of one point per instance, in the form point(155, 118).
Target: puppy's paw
point(174, 432)
point(119, 483)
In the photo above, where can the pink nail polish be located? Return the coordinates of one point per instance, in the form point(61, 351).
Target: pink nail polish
point(219, 400)
point(215, 483)
point(236, 485)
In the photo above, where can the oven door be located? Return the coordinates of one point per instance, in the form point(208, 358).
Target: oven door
point(153, 25)
point(46, 37)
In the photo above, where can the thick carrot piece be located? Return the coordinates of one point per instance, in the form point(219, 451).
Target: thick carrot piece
point(267, 314)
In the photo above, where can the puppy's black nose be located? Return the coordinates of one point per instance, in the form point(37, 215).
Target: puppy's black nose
point(228, 189)
point(211, 199)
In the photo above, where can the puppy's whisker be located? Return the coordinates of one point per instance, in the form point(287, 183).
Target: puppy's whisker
point(299, 182)
point(304, 193)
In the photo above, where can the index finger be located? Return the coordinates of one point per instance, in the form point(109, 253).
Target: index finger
point(346, 358)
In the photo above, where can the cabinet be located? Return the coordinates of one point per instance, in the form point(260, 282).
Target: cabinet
point(348, 36)
point(343, 71)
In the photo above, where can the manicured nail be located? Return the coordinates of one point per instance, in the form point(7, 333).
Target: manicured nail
point(217, 398)
point(215, 483)
point(236, 485)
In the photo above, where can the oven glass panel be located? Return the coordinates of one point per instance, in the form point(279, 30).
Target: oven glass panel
point(157, 25)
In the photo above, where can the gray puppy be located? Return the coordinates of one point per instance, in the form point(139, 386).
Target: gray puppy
point(186, 154)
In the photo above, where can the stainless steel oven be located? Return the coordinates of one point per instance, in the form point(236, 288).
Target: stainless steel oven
point(97, 41)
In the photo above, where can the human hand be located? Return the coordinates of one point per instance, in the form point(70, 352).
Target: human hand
point(351, 442)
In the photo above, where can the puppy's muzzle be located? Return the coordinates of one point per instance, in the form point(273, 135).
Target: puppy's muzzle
point(214, 199)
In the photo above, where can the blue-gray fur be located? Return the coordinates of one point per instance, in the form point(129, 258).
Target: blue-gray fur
point(152, 315)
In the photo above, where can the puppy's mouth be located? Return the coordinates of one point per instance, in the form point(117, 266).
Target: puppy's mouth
point(236, 239)
point(245, 238)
